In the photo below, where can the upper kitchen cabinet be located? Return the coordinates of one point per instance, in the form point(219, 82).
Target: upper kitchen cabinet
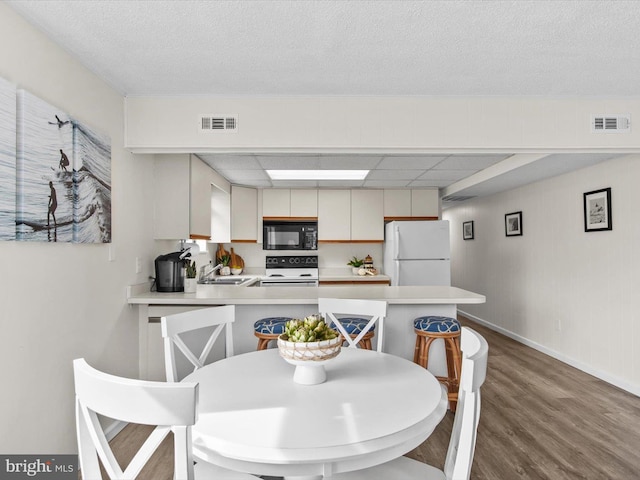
point(419, 204)
point(182, 197)
point(350, 216)
point(244, 214)
point(334, 215)
point(367, 217)
point(283, 203)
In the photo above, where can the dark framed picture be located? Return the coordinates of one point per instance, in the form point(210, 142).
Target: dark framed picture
point(467, 230)
point(597, 210)
point(513, 224)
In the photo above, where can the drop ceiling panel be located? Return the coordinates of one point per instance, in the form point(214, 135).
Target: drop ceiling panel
point(386, 183)
point(294, 183)
point(430, 183)
point(452, 175)
point(244, 175)
point(469, 162)
point(349, 162)
point(231, 162)
point(410, 163)
point(394, 174)
point(289, 162)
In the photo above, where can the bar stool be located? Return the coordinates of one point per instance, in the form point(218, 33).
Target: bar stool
point(267, 329)
point(355, 325)
point(448, 329)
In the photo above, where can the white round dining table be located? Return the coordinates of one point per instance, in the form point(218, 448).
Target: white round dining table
point(372, 408)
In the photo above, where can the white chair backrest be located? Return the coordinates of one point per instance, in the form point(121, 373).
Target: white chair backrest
point(170, 406)
point(376, 309)
point(475, 352)
point(220, 318)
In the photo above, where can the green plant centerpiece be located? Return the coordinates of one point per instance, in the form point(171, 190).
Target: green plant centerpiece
point(190, 267)
point(308, 344)
point(309, 329)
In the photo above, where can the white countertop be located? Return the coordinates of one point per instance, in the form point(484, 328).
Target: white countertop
point(345, 275)
point(233, 295)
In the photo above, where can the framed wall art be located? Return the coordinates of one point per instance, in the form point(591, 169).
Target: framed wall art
point(7, 160)
point(597, 210)
point(513, 224)
point(467, 230)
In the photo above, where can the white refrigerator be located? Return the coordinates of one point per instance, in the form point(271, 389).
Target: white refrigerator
point(417, 253)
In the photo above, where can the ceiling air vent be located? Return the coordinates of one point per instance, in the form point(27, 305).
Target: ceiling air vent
point(457, 198)
point(218, 123)
point(611, 123)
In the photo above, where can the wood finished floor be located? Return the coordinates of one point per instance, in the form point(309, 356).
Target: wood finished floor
point(540, 419)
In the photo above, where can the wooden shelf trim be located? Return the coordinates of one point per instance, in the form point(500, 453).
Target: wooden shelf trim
point(194, 236)
point(402, 219)
point(289, 219)
point(350, 241)
point(235, 240)
point(354, 282)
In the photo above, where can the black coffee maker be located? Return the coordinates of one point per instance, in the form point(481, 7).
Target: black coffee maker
point(169, 275)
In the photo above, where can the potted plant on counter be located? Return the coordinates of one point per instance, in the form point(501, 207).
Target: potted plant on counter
point(190, 282)
point(355, 264)
point(225, 259)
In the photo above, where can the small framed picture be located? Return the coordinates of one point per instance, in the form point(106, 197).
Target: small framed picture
point(597, 210)
point(513, 224)
point(467, 230)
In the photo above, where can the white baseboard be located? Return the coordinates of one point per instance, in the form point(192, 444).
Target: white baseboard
point(607, 377)
point(114, 428)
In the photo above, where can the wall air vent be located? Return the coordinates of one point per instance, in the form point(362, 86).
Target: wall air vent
point(611, 123)
point(218, 123)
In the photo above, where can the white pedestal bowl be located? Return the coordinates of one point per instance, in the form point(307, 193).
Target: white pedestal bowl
point(309, 358)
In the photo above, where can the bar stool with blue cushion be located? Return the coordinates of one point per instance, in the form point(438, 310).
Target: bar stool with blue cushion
point(267, 329)
point(355, 320)
point(448, 329)
point(355, 325)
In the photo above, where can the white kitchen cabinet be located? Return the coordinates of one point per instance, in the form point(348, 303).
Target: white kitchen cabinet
point(334, 215)
point(289, 203)
point(407, 204)
point(244, 214)
point(182, 197)
point(304, 202)
point(276, 202)
point(425, 203)
point(367, 215)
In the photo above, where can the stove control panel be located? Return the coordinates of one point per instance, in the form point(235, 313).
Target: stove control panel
point(292, 261)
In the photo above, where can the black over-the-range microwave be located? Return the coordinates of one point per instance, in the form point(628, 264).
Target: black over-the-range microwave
point(284, 235)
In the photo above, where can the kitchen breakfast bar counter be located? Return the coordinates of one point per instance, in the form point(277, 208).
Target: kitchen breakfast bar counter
point(253, 303)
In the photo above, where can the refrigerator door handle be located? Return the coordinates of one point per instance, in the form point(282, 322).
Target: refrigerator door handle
point(397, 272)
point(396, 245)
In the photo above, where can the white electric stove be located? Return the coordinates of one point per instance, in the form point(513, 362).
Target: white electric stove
point(291, 271)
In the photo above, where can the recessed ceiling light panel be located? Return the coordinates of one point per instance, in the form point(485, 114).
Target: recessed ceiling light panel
point(317, 174)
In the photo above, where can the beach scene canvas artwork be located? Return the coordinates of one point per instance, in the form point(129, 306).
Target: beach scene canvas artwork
point(44, 208)
point(92, 185)
point(63, 176)
point(7, 160)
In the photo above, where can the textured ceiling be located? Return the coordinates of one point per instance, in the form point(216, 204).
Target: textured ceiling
point(351, 47)
point(463, 48)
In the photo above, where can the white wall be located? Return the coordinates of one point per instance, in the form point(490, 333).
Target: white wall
point(62, 301)
point(361, 124)
point(569, 293)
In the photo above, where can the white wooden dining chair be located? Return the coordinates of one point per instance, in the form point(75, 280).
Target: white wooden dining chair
point(341, 312)
point(475, 351)
point(169, 406)
point(215, 319)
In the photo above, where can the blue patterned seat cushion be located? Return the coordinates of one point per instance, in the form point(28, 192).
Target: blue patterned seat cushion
point(435, 324)
point(271, 325)
point(354, 325)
